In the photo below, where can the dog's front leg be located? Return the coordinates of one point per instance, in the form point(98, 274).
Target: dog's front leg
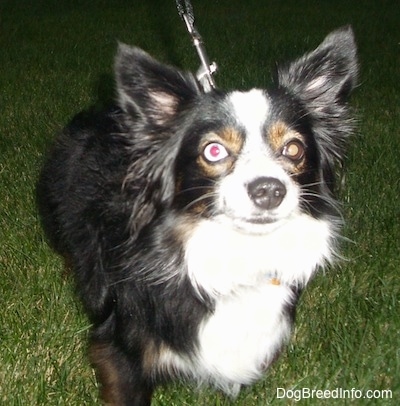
point(122, 381)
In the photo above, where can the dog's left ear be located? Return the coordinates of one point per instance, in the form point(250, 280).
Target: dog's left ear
point(325, 76)
point(149, 90)
point(322, 81)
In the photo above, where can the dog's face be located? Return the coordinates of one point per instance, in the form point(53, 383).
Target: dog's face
point(251, 159)
point(251, 166)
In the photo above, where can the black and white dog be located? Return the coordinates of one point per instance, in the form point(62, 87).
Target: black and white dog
point(193, 220)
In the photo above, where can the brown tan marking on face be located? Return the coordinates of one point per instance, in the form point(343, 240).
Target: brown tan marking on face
point(276, 135)
point(231, 141)
point(199, 208)
point(283, 139)
point(184, 227)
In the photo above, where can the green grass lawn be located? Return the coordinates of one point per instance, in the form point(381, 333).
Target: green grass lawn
point(56, 59)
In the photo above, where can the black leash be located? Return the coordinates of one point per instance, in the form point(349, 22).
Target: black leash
point(207, 69)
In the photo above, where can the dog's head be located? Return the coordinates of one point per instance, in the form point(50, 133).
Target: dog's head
point(249, 159)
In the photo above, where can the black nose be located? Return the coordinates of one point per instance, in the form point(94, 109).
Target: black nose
point(266, 193)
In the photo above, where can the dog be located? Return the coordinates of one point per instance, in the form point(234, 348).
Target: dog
point(193, 220)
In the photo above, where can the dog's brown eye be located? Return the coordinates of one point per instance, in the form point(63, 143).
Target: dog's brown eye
point(215, 152)
point(294, 150)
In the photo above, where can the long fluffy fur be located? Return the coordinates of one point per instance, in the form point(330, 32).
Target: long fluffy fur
point(189, 267)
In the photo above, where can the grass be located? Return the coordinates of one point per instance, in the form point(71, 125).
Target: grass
point(56, 59)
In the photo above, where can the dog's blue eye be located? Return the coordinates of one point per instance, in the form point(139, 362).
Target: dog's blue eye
point(215, 152)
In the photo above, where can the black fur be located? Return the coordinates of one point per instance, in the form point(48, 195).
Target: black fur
point(116, 182)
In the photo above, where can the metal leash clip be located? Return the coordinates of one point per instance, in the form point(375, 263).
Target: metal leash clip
point(205, 72)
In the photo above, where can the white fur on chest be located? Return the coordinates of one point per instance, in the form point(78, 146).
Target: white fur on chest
point(239, 340)
point(220, 259)
point(249, 324)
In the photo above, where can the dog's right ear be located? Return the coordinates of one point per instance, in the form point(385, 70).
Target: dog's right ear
point(149, 90)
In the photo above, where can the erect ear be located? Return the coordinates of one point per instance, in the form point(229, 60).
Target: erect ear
point(326, 75)
point(149, 89)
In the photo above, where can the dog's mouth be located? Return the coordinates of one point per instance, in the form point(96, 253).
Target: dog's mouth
point(253, 224)
point(259, 220)
point(257, 225)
